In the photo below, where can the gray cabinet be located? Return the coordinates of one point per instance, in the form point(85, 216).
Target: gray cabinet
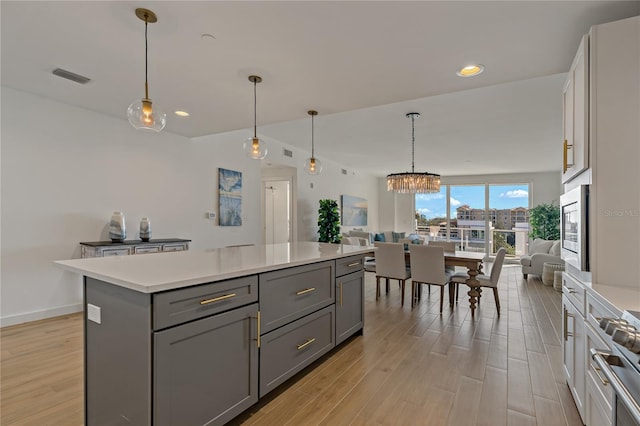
point(349, 297)
point(289, 349)
point(206, 371)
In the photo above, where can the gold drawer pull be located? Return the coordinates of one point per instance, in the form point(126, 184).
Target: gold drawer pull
point(258, 329)
point(340, 294)
point(597, 370)
point(217, 299)
point(309, 290)
point(565, 160)
point(307, 343)
point(353, 264)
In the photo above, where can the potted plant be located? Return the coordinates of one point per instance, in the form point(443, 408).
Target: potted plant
point(329, 222)
point(544, 221)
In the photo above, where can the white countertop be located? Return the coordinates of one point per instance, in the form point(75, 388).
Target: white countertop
point(151, 273)
point(621, 298)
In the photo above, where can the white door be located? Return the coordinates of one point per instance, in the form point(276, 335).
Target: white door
point(277, 211)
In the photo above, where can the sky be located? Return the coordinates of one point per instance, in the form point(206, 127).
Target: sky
point(500, 197)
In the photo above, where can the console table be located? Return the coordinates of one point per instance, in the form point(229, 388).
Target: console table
point(127, 247)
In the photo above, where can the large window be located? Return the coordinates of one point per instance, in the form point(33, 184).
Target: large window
point(477, 217)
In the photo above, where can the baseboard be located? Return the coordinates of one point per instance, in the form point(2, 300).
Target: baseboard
point(38, 315)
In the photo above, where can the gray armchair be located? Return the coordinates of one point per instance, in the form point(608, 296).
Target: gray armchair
point(540, 252)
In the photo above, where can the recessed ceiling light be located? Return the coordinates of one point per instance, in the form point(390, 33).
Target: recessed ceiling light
point(470, 70)
point(181, 113)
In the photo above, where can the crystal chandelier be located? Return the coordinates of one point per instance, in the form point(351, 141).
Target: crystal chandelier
point(413, 182)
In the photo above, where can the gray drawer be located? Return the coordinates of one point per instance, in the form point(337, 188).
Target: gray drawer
point(175, 247)
point(179, 306)
point(292, 293)
point(120, 251)
point(146, 249)
point(289, 349)
point(349, 264)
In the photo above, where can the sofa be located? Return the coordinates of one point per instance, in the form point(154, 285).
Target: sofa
point(540, 252)
point(387, 237)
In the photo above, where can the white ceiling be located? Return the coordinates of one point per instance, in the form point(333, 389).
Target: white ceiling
point(362, 64)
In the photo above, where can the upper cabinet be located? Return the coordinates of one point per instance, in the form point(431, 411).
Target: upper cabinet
point(575, 100)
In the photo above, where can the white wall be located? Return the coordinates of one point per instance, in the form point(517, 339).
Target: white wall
point(65, 170)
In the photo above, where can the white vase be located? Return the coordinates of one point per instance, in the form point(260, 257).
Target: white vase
point(117, 228)
point(145, 229)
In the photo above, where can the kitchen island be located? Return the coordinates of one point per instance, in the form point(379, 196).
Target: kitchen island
point(197, 337)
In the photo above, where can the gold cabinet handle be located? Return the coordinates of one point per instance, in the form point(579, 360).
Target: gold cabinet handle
point(566, 324)
point(258, 339)
point(570, 290)
point(597, 370)
point(308, 290)
point(565, 156)
point(217, 299)
point(307, 343)
point(353, 264)
point(340, 294)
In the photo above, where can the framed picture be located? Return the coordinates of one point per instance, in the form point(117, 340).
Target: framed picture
point(230, 197)
point(354, 211)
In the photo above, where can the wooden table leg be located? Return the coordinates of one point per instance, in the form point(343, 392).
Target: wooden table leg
point(473, 284)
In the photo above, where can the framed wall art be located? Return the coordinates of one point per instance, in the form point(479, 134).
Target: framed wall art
point(229, 197)
point(354, 211)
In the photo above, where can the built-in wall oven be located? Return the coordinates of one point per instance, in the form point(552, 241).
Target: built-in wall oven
point(621, 366)
point(574, 226)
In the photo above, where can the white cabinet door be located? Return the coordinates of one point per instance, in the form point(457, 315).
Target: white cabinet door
point(573, 352)
point(575, 98)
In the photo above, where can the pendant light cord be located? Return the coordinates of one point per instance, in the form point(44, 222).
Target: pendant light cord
point(312, 153)
point(413, 143)
point(146, 55)
point(255, 109)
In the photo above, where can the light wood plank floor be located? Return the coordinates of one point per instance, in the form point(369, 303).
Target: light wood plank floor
point(411, 367)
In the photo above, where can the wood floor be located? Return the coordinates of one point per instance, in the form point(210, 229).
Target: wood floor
point(411, 367)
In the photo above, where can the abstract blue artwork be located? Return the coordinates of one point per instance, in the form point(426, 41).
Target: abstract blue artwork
point(230, 197)
point(354, 211)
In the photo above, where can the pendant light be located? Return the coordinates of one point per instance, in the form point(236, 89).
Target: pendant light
point(254, 147)
point(312, 166)
point(142, 114)
point(412, 182)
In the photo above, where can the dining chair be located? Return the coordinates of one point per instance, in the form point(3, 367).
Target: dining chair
point(390, 264)
point(427, 267)
point(448, 246)
point(490, 281)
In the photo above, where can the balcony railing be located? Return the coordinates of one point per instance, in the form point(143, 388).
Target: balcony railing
point(473, 239)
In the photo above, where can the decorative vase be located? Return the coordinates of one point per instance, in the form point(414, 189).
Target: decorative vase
point(117, 228)
point(145, 229)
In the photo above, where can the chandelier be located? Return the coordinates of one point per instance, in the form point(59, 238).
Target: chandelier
point(413, 182)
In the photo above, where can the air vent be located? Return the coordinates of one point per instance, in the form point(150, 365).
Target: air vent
point(288, 153)
point(344, 171)
point(70, 76)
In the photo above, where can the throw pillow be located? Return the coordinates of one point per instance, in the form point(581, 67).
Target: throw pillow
point(379, 237)
point(540, 246)
point(397, 236)
point(555, 248)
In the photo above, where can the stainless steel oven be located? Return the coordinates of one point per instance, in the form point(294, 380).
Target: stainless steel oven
point(574, 217)
point(621, 366)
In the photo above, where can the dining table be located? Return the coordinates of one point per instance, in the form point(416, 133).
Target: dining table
point(470, 260)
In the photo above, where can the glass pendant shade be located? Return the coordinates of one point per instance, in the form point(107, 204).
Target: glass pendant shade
point(144, 116)
point(413, 182)
point(313, 166)
point(255, 148)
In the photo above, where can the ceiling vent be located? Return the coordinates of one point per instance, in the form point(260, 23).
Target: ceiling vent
point(71, 76)
point(288, 153)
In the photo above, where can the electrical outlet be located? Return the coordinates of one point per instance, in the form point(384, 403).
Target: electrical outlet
point(94, 314)
point(210, 215)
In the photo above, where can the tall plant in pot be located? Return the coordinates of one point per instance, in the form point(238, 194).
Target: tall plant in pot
point(329, 222)
point(544, 221)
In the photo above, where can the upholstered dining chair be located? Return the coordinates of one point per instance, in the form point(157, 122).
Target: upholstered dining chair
point(490, 281)
point(390, 264)
point(427, 267)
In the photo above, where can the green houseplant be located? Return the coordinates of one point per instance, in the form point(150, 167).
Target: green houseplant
point(545, 222)
point(329, 222)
